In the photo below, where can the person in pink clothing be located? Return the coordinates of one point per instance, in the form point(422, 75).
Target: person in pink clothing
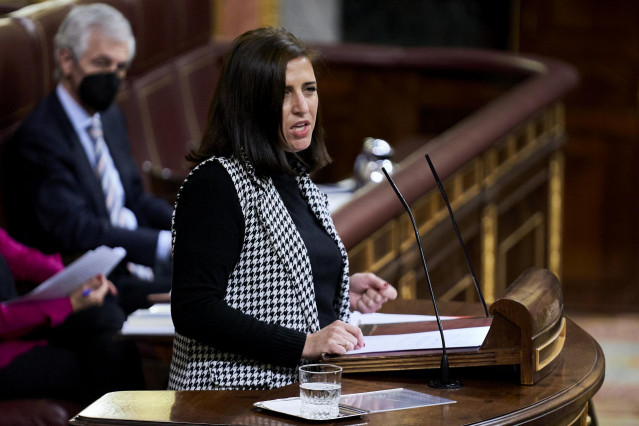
point(65, 347)
point(28, 264)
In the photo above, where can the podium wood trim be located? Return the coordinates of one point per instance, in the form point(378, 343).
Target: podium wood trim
point(551, 349)
point(528, 330)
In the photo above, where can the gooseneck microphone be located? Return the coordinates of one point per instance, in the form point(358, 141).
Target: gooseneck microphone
point(459, 237)
point(444, 382)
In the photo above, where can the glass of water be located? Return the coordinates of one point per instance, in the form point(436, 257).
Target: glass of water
point(320, 389)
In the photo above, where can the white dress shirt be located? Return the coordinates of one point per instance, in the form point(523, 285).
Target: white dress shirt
point(80, 120)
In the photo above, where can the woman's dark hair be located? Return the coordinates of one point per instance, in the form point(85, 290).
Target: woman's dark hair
point(245, 115)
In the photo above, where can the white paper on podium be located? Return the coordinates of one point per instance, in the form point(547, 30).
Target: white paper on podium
point(102, 260)
point(456, 338)
point(358, 318)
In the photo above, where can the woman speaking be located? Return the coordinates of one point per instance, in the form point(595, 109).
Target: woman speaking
point(261, 282)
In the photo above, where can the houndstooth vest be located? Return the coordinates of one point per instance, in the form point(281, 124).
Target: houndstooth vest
point(272, 281)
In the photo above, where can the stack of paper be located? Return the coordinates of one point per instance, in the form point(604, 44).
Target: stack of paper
point(153, 321)
point(99, 261)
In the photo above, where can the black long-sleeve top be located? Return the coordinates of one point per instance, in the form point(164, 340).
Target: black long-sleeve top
point(209, 227)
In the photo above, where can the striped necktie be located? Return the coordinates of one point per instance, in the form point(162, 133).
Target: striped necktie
point(109, 179)
point(107, 175)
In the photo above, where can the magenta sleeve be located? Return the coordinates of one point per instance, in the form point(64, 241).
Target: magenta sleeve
point(19, 319)
point(26, 263)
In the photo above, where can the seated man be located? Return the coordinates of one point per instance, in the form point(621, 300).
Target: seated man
point(74, 184)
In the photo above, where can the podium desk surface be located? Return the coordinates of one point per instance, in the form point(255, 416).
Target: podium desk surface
point(489, 396)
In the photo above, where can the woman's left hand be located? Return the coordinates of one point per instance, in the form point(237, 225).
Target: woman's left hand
point(368, 292)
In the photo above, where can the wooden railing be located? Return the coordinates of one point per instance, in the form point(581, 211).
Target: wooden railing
point(502, 168)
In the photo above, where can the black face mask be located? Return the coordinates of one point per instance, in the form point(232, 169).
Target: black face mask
point(98, 91)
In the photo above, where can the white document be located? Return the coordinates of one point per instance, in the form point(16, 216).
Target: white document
point(148, 327)
point(358, 318)
point(102, 260)
point(155, 321)
point(156, 310)
point(455, 338)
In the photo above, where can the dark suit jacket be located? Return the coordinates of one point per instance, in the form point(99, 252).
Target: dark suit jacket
point(53, 198)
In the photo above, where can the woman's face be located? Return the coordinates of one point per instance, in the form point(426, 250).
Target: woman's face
point(300, 104)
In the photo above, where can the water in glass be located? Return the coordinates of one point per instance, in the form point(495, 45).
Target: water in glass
point(320, 400)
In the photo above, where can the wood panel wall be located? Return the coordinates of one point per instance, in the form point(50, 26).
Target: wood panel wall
point(601, 256)
point(602, 121)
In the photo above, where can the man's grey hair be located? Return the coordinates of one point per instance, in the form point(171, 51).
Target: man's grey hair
point(76, 28)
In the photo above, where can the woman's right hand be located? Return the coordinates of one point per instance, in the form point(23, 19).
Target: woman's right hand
point(91, 293)
point(336, 338)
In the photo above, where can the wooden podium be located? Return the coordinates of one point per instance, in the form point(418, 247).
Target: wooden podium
point(490, 396)
point(527, 329)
